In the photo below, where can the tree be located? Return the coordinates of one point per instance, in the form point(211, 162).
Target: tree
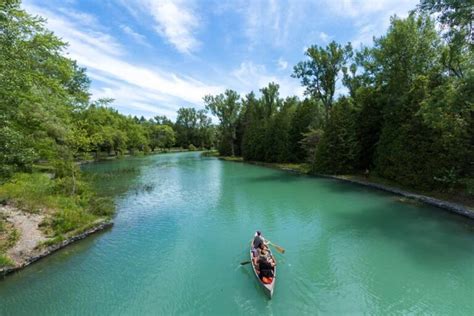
point(226, 108)
point(186, 127)
point(205, 134)
point(253, 147)
point(307, 115)
point(337, 150)
point(319, 73)
point(457, 15)
point(193, 127)
point(39, 91)
point(277, 142)
point(161, 136)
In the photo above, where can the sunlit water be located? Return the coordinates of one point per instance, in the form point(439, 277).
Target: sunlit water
point(183, 225)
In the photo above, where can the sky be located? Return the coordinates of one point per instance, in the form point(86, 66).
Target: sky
point(155, 56)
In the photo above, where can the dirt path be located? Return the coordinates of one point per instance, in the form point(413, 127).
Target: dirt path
point(30, 235)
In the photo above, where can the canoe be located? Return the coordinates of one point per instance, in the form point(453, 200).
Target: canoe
point(267, 288)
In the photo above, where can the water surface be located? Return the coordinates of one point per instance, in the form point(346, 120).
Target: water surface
point(183, 225)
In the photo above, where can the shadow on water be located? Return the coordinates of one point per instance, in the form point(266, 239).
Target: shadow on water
point(416, 230)
point(280, 177)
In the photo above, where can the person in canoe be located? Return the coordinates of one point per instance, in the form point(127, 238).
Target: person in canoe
point(266, 265)
point(259, 241)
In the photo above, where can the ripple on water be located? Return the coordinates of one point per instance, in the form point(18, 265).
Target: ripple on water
point(183, 226)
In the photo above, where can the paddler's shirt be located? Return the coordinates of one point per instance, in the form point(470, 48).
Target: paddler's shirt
point(257, 241)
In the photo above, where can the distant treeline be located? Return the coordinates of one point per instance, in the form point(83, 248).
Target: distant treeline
point(407, 115)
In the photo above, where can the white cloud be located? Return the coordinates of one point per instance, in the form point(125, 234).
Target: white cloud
point(83, 18)
point(176, 21)
point(129, 84)
point(282, 64)
point(324, 37)
point(250, 76)
point(139, 38)
point(371, 18)
point(363, 8)
point(269, 21)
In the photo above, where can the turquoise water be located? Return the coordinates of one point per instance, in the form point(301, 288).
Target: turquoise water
point(183, 225)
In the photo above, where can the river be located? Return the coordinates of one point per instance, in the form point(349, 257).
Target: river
point(183, 225)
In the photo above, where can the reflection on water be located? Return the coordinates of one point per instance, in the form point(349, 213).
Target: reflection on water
point(183, 226)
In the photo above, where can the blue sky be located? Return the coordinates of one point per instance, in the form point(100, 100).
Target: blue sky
point(154, 56)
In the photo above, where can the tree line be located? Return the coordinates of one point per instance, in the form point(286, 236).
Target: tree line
point(46, 113)
point(407, 115)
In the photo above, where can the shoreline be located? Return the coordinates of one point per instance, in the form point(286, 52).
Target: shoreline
point(452, 207)
point(28, 249)
point(138, 154)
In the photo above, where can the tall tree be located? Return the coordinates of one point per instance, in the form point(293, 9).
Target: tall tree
point(319, 74)
point(226, 108)
point(187, 127)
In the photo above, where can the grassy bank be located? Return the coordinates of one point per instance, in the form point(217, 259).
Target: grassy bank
point(65, 213)
point(8, 236)
point(458, 197)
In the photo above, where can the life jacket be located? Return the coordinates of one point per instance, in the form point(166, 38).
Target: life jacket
point(267, 280)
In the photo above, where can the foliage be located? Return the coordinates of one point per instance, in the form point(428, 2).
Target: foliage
point(193, 127)
point(226, 108)
point(408, 115)
point(8, 237)
point(307, 116)
point(337, 151)
point(39, 192)
point(319, 74)
point(161, 136)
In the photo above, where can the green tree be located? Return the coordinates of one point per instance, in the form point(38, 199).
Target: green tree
point(308, 115)
point(161, 136)
point(337, 151)
point(319, 74)
point(226, 108)
point(187, 127)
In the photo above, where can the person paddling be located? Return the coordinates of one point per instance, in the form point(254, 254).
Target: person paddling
point(258, 241)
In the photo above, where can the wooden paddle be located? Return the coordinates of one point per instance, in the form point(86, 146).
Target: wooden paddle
point(245, 262)
point(278, 248)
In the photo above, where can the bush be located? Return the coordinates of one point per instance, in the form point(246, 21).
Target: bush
point(65, 212)
point(28, 191)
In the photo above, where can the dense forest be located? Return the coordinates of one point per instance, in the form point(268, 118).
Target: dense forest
point(406, 116)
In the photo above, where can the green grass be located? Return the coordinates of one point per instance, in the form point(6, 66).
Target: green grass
point(5, 261)
point(210, 153)
point(8, 237)
point(232, 158)
point(64, 212)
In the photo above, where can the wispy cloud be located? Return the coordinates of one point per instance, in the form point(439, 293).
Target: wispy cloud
point(176, 21)
point(282, 64)
point(269, 21)
point(370, 18)
point(324, 37)
point(139, 38)
point(249, 76)
point(131, 85)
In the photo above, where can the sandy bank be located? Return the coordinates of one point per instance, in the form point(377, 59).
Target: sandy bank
point(30, 245)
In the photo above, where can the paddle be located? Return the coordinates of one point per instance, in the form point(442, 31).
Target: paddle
point(278, 248)
point(245, 262)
